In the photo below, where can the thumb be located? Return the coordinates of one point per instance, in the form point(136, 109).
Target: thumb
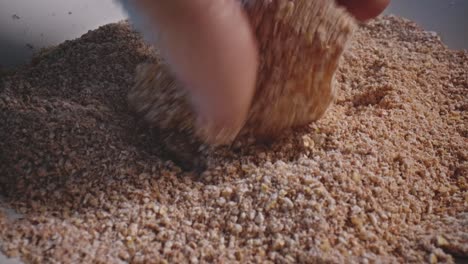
point(212, 51)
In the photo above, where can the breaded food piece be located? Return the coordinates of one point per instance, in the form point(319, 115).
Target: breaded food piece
point(300, 43)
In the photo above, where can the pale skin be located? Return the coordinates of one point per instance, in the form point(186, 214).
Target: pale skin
point(212, 50)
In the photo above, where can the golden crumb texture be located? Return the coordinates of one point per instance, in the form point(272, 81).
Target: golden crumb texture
point(381, 178)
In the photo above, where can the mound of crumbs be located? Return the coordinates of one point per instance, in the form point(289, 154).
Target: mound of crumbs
point(381, 178)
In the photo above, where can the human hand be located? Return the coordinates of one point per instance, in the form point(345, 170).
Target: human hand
point(211, 49)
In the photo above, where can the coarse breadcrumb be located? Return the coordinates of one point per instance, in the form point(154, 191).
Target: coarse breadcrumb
point(382, 177)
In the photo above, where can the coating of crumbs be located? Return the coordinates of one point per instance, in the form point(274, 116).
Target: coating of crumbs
point(381, 178)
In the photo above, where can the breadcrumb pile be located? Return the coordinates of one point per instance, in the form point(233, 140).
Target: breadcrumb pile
point(382, 177)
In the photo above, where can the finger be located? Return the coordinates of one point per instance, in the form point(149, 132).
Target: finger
point(365, 9)
point(211, 49)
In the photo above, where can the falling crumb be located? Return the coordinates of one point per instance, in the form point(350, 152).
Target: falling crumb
point(384, 181)
point(15, 17)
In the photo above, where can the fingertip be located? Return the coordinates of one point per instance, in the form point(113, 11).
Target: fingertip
point(364, 10)
point(217, 132)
